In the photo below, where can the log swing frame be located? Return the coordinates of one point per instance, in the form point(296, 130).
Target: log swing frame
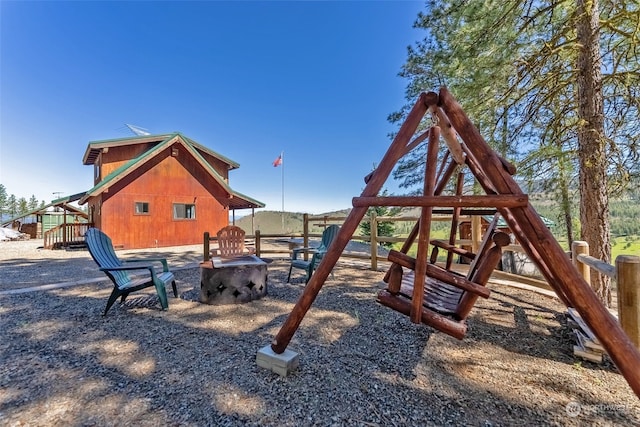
point(466, 148)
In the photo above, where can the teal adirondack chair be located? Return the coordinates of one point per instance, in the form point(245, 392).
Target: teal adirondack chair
point(309, 266)
point(101, 250)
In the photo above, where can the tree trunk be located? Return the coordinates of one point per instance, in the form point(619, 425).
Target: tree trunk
point(565, 197)
point(594, 198)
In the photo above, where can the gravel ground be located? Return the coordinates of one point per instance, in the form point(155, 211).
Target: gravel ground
point(361, 364)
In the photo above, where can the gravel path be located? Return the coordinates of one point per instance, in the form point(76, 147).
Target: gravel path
point(361, 364)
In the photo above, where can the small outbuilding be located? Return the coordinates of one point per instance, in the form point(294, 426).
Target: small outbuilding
point(60, 224)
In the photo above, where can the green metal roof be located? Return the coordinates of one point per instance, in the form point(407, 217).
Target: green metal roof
point(62, 201)
point(68, 199)
point(95, 147)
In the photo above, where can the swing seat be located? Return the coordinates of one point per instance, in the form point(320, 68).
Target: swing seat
point(448, 296)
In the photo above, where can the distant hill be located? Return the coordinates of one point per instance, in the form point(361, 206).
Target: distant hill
point(271, 222)
point(274, 222)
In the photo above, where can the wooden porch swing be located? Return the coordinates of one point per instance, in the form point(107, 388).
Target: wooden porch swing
point(434, 294)
point(448, 297)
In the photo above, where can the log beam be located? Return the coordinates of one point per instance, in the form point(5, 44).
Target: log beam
point(373, 187)
point(425, 226)
point(499, 201)
point(548, 252)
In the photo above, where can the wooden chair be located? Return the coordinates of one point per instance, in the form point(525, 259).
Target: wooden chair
point(231, 243)
point(448, 296)
point(317, 253)
point(101, 250)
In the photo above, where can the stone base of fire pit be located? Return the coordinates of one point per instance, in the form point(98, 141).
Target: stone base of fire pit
point(232, 281)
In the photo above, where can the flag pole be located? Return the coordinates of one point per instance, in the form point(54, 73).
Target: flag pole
point(282, 164)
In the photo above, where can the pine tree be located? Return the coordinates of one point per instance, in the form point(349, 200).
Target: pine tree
point(4, 200)
point(12, 206)
point(527, 74)
point(22, 206)
point(384, 228)
point(33, 203)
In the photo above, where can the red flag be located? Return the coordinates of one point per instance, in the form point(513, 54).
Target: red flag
point(277, 162)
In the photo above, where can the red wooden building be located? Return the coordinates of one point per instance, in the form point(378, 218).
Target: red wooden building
point(159, 190)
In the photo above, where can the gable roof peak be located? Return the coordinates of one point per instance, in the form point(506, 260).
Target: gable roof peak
point(94, 148)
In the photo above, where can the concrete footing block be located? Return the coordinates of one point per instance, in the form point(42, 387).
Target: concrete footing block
point(281, 364)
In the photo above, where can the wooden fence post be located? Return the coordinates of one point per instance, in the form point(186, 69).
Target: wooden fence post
point(374, 240)
point(305, 233)
point(257, 242)
point(206, 246)
point(628, 279)
point(476, 233)
point(579, 247)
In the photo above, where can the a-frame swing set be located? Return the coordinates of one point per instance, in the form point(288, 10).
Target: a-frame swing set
point(433, 294)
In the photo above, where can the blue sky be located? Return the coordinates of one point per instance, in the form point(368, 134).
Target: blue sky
point(315, 80)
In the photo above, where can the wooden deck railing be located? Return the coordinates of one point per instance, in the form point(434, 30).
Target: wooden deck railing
point(64, 235)
point(626, 274)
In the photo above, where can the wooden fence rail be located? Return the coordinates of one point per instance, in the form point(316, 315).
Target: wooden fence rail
point(626, 271)
point(626, 274)
point(374, 240)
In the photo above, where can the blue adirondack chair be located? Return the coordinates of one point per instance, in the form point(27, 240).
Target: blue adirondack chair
point(101, 250)
point(309, 266)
